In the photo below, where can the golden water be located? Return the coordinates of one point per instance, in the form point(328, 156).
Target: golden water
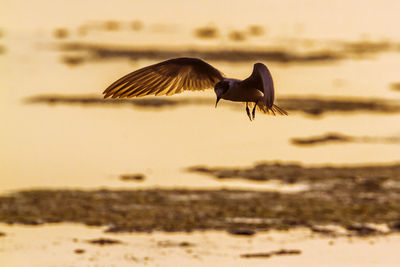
point(90, 146)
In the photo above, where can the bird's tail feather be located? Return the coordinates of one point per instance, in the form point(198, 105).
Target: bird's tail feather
point(274, 110)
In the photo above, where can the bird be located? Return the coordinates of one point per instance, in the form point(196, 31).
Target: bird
point(176, 75)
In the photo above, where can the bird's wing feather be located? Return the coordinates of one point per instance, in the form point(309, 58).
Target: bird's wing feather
point(166, 78)
point(267, 84)
point(261, 79)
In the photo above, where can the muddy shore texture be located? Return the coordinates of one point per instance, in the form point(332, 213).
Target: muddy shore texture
point(334, 52)
point(308, 106)
point(351, 197)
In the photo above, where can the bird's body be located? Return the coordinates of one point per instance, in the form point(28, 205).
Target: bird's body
point(177, 75)
point(238, 93)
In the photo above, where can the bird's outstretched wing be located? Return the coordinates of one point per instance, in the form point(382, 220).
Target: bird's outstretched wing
point(166, 78)
point(261, 79)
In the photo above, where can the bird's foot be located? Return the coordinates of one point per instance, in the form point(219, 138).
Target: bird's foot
point(253, 112)
point(248, 111)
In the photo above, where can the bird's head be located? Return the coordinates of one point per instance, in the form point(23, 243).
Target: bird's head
point(220, 89)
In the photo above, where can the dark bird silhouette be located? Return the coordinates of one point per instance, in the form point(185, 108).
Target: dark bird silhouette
point(176, 75)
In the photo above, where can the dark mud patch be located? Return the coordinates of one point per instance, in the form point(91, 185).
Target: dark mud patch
point(206, 32)
point(2, 234)
point(79, 251)
point(281, 252)
point(61, 33)
point(330, 52)
point(309, 106)
point(325, 230)
point(109, 26)
point(353, 198)
point(395, 87)
point(318, 106)
point(100, 52)
point(349, 177)
point(104, 241)
point(243, 232)
point(361, 48)
point(341, 138)
point(237, 36)
point(112, 25)
point(362, 229)
point(132, 177)
point(150, 102)
point(136, 25)
point(73, 60)
point(170, 244)
point(255, 30)
point(327, 138)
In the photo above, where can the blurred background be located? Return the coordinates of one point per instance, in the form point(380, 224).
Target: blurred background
point(335, 66)
point(315, 50)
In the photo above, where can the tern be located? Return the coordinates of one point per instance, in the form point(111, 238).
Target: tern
point(176, 75)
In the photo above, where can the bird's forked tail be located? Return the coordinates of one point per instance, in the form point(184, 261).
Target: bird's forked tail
point(274, 110)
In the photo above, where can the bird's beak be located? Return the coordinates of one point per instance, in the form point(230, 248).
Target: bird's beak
point(216, 103)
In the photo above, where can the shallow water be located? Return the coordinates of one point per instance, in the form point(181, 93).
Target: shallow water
point(91, 146)
point(357, 45)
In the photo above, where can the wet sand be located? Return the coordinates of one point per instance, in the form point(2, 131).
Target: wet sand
point(69, 245)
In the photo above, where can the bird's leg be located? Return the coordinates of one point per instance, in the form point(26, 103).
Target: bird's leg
point(248, 110)
point(253, 113)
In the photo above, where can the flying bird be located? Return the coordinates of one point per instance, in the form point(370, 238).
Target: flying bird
point(176, 75)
